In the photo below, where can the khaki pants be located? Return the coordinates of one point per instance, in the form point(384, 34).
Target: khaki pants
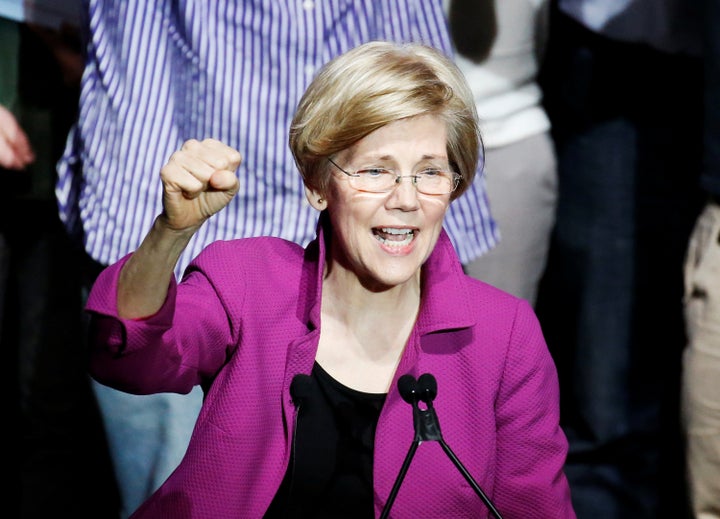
point(701, 385)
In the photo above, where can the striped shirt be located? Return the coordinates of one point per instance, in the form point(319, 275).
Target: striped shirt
point(163, 71)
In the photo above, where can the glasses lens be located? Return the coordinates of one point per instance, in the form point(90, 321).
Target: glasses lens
point(374, 180)
point(435, 183)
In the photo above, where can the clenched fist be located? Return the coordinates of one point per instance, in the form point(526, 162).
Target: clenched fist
point(198, 181)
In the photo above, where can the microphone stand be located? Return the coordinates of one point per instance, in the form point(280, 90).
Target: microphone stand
point(427, 428)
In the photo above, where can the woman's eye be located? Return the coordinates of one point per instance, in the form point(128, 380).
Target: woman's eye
point(374, 172)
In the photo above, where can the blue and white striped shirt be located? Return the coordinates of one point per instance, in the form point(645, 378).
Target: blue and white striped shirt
point(163, 71)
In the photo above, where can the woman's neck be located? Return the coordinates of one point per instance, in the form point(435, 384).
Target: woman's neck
point(364, 332)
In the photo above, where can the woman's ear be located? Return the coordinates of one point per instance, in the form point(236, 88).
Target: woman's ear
point(316, 199)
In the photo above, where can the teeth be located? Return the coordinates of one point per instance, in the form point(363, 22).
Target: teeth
point(395, 243)
point(392, 230)
point(407, 234)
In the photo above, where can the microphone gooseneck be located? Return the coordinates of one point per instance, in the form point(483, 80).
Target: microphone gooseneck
point(301, 388)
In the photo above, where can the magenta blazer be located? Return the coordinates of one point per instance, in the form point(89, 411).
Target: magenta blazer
point(246, 319)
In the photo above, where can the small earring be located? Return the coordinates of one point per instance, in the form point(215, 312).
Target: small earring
point(321, 200)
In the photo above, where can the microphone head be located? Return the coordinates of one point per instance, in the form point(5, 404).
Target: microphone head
point(427, 387)
point(407, 385)
point(300, 387)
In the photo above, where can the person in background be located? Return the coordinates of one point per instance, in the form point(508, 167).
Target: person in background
point(385, 138)
point(701, 362)
point(498, 47)
point(622, 84)
point(160, 73)
point(58, 456)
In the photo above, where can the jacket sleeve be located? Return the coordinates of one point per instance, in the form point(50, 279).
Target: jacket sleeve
point(171, 351)
point(532, 448)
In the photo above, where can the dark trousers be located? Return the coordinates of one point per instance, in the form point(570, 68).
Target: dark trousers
point(58, 440)
point(627, 127)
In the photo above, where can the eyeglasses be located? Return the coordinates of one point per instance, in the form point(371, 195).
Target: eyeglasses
point(430, 181)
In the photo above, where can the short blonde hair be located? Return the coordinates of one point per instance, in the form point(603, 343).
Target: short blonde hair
point(375, 84)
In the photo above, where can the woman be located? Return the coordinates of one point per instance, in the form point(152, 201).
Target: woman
point(385, 137)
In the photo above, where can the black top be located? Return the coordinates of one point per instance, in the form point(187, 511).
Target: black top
point(330, 471)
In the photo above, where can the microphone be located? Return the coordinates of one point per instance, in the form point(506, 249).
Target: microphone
point(407, 385)
point(428, 386)
point(300, 388)
point(427, 428)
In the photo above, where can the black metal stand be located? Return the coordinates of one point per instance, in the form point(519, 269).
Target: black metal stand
point(427, 428)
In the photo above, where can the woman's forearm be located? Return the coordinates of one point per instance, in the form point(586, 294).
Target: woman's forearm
point(144, 279)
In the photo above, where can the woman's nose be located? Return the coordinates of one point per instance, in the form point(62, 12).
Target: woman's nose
point(405, 194)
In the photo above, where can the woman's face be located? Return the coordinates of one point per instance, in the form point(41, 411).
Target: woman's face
point(384, 238)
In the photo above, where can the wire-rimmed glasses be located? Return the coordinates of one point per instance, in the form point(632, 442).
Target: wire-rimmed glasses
point(430, 181)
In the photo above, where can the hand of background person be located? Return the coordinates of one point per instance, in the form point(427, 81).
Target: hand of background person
point(15, 149)
point(198, 181)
